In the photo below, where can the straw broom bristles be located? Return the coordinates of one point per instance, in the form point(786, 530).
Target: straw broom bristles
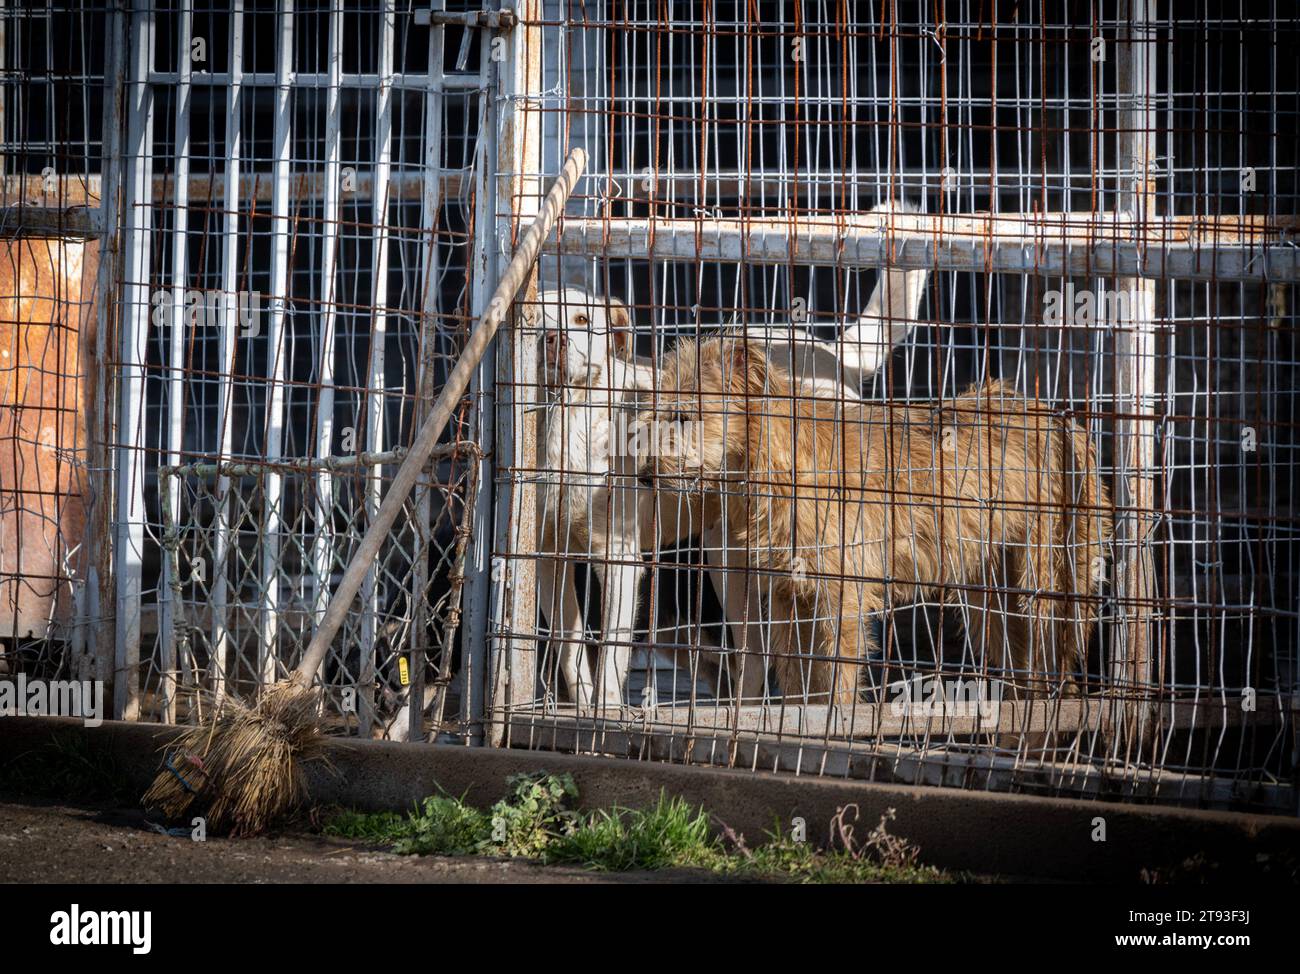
point(244, 769)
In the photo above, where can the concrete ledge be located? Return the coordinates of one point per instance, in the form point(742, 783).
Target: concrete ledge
point(1012, 835)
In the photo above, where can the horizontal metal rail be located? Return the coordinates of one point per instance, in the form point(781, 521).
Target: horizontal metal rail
point(867, 721)
point(51, 221)
point(318, 79)
point(1224, 248)
point(245, 468)
point(77, 193)
point(1102, 244)
point(957, 765)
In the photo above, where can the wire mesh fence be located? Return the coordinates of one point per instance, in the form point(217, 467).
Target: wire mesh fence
point(910, 392)
point(1084, 586)
point(230, 634)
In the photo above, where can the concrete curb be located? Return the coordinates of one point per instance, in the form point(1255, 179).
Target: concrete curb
point(1014, 835)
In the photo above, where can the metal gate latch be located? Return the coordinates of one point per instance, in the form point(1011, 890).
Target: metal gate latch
point(503, 19)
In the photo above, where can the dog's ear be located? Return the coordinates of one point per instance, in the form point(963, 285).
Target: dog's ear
point(747, 367)
point(620, 328)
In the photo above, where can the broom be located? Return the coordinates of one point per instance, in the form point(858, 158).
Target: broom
point(244, 767)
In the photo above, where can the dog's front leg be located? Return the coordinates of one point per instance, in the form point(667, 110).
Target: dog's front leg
point(620, 576)
point(846, 637)
point(555, 587)
point(737, 590)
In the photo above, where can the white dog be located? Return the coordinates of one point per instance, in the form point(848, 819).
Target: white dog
point(591, 508)
point(594, 510)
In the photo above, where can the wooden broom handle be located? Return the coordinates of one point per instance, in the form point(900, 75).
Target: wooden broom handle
point(520, 266)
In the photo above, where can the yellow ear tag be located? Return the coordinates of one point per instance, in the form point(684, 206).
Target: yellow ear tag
point(403, 671)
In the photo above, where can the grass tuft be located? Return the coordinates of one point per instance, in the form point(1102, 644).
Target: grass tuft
point(802, 862)
point(438, 826)
point(378, 827)
point(537, 812)
point(444, 826)
point(671, 834)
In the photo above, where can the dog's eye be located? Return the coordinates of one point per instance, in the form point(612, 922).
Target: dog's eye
point(580, 319)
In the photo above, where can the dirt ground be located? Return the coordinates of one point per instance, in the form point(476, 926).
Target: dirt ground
point(49, 842)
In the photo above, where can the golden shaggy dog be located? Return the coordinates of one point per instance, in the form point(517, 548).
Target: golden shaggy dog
point(844, 505)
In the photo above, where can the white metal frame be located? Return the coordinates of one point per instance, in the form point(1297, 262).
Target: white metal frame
point(133, 40)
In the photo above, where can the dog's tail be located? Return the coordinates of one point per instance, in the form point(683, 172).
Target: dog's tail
point(1080, 529)
point(892, 311)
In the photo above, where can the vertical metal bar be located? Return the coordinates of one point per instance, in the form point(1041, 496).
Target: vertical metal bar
point(431, 208)
point(376, 397)
point(226, 369)
point(99, 585)
point(4, 25)
point(1136, 372)
point(484, 268)
point(273, 487)
point(128, 549)
point(580, 82)
point(175, 380)
point(514, 664)
point(323, 543)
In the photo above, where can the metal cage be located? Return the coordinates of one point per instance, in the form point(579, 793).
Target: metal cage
point(245, 245)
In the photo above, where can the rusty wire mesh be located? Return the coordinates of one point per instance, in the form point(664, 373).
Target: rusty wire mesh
point(1128, 164)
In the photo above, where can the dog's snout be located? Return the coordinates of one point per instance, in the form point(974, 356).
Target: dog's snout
point(554, 343)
